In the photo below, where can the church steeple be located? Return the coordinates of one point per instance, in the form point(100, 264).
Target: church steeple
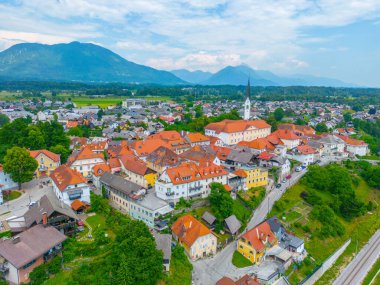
point(247, 103)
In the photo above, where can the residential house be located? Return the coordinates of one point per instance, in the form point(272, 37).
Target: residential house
point(332, 145)
point(6, 183)
point(137, 171)
point(253, 244)
point(304, 154)
point(69, 185)
point(298, 129)
point(47, 161)
point(161, 159)
point(20, 254)
point(287, 137)
point(232, 132)
point(164, 243)
point(354, 146)
point(245, 280)
point(255, 176)
point(84, 160)
point(240, 157)
point(189, 180)
point(132, 199)
point(197, 139)
point(200, 155)
point(97, 172)
point(196, 238)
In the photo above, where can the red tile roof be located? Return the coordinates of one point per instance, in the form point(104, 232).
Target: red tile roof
point(305, 149)
point(188, 230)
point(265, 155)
point(232, 126)
point(64, 176)
point(77, 205)
point(135, 165)
point(100, 169)
point(53, 156)
point(259, 235)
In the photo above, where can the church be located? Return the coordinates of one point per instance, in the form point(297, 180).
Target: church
point(247, 103)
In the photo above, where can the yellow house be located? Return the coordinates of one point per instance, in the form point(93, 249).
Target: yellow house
point(137, 171)
point(256, 176)
point(253, 244)
point(47, 161)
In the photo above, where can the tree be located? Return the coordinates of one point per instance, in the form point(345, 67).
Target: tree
point(347, 117)
point(220, 201)
point(76, 132)
point(3, 120)
point(60, 149)
point(321, 128)
point(20, 165)
point(279, 114)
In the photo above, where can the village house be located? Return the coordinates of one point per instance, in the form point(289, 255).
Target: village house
point(137, 171)
point(69, 185)
point(354, 146)
point(97, 172)
point(47, 161)
point(20, 254)
point(188, 181)
point(232, 132)
point(304, 154)
point(6, 183)
point(253, 244)
point(255, 176)
point(287, 137)
point(196, 238)
point(132, 199)
point(161, 159)
point(197, 139)
point(84, 160)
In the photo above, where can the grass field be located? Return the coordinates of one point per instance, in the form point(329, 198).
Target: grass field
point(13, 195)
point(370, 278)
point(239, 260)
point(101, 102)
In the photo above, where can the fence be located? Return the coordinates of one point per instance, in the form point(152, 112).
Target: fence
point(319, 271)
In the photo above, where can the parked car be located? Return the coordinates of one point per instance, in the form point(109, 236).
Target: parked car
point(288, 177)
point(298, 168)
point(278, 185)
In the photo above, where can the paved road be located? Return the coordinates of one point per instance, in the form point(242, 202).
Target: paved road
point(208, 271)
point(358, 268)
point(18, 207)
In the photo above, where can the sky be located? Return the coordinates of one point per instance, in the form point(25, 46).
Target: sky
point(329, 38)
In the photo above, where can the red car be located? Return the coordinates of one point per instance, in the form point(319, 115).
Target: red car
point(288, 177)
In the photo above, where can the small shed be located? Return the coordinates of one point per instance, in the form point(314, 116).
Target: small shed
point(232, 224)
point(208, 218)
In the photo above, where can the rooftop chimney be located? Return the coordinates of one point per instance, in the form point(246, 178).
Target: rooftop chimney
point(44, 218)
point(16, 239)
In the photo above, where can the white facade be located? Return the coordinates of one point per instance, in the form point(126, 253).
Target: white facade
point(166, 190)
point(290, 144)
point(73, 192)
point(305, 159)
point(203, 246)
point(360, 150)
point(6, 183)
point(84, 166)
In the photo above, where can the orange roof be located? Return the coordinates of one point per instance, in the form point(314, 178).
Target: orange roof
point(77, 205)
point(1, 167)
point(71, 124)
point(64, 176)
point(260, 143)
point(351, 141)
point(259, 235)
point(234, 126)
point(166, 135)
point(197, 137)
point(302, 130)
point(265, 155)
point(189, 171)
point(118, 150)
point(100, 169)
point(85, 153)
point(227, 187)
point(221, 152)
point(163, 156)
point(285, 135)
point(135, 165)
point(240, 172)
point(188, 230)
point(197, 154)
point(100, 146)
point(306, 149)
point(53, 156)
point(145, 147)
point(114, 162)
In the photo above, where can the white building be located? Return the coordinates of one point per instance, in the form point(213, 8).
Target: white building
point(304, 154)
point(84, 160)
point(6, 183)
point(70, 185)
point(188, 181)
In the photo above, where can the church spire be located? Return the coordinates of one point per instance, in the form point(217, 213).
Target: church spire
point(248, 89)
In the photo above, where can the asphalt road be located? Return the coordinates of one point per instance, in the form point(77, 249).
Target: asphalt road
point(358, 268)
point(33, 192)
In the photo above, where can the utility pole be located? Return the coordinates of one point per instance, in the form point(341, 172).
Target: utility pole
point(356, 251)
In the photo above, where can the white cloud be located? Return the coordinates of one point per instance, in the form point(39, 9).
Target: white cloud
point(194, 34)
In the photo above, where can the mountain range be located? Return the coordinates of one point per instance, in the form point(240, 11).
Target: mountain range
point(85, 62)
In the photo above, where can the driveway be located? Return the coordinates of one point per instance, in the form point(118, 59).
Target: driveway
point(34, 190)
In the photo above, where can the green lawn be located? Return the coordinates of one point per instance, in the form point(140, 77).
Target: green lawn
point(371, 275)
point(241, 212)
point(97, 221)
point(13, 195)
point(239, 260)
point(180, 268)
point(102, 102)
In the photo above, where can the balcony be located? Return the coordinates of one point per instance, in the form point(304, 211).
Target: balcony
point(42, 168)
point(169, 194)
point(195, 188)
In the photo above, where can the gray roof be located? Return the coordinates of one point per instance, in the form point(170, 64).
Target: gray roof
point(274, 224)
point(33, 243)
point(151, 202)
point(118, 183)
point(241, 156)
point(330, 139)
point(164, 243)
point(233, 224)
point(294, 241)
point(49, 204)
point(209, 218)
